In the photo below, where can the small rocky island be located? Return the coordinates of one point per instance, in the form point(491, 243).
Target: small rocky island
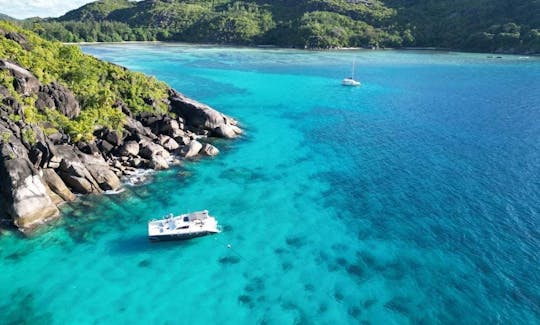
point(43, 165)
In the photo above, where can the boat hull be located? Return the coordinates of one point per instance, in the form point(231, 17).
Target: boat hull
point(171, 237)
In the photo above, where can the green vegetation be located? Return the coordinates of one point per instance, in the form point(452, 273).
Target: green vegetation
point(476, 25)
point(309, 23)
point(99, 87)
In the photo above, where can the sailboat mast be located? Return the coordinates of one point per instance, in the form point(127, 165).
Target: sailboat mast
point(352, 75)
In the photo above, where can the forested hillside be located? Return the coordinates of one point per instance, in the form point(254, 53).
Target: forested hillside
point(311, 23)
point(475, 25)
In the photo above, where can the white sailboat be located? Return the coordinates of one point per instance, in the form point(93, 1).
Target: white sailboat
point(350, 80)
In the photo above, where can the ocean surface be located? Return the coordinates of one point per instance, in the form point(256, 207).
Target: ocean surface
point(414, 198)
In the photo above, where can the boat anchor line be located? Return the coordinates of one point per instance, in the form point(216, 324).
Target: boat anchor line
point(230, 247)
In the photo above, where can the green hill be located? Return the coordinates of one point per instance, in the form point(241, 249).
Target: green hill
point(6, 17)
point(477, 25)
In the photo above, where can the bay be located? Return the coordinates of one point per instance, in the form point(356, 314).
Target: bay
point(414, 198)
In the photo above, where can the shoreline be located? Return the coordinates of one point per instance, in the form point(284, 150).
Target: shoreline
point(277, 47)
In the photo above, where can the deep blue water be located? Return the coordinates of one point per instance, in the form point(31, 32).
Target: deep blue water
point(414, 198)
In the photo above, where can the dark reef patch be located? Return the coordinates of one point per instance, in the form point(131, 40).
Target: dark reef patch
point(295, 242)
point(229, 260)
point(341, 261)
point(366, 258)
point(399, 304)
point(354, 311)
point(144, 263)
point(255, 285)
point(395, 270)
point(309, 287)
point(338, 296)
point(22, 309)
point(15, 256)
point(246, 300)
point(370, 302)
point(286, 266)
point(355, 270)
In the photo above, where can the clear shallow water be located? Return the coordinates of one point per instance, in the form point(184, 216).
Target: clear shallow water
point(414, 198)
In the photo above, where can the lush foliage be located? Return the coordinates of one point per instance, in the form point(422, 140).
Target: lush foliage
point(477, 25)
point(311, 23)
point(99, 86)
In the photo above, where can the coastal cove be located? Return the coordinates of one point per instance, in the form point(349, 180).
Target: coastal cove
point(414, 198)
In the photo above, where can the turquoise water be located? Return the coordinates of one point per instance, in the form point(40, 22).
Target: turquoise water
point(412, 199)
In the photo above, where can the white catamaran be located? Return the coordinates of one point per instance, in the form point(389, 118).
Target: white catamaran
point(184, 226)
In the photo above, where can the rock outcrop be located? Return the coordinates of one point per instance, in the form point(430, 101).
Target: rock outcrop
point(203, 117)
point(38, 171)
point(24, 81)
point(58, 97)
point(24, 195)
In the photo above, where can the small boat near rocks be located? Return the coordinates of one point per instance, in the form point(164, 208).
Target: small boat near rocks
point(185, 226)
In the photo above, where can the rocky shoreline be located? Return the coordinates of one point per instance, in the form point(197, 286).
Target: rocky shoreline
point(40, 170)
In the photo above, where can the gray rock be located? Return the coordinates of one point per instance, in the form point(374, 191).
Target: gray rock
point(171, 128)
point(56, 184)
point(227, 131)
point(130, 148)
point(99, 169)
point(56, 96)
point(90, 148)
point(157, 155)
point(136, 162)
point(209, 150)
point(114, 138)
point(137, 130)
point(202, 116)
point(73, 171)
point(191, 150)
point(24, 194)
point(150, 149)
point(25, 82)
point(158, 163)
point(105, 146)
point(18, 38)
point(168, 143)
point(183, 140)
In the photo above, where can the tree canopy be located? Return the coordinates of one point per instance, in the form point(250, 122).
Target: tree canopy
point(475, 25)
